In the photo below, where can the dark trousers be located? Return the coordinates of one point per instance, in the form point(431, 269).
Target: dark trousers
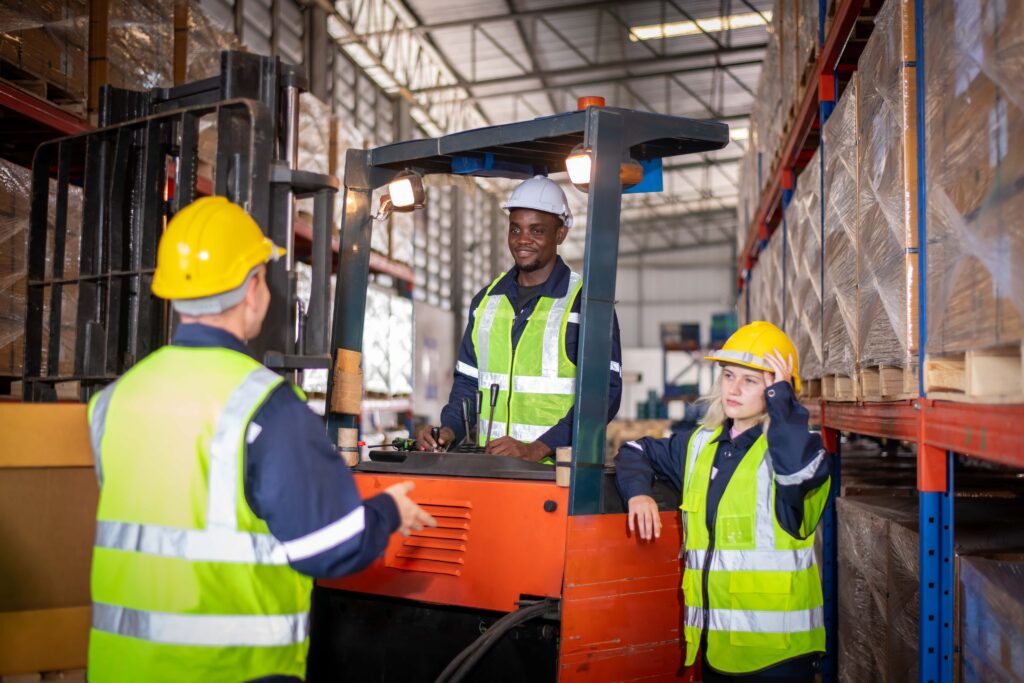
point(798, 670)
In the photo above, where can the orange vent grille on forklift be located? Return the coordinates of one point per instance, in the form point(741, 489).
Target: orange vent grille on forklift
point(440, 550)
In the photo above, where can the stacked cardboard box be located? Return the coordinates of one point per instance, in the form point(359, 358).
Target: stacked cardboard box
point(974, 124)
point(839, 298)
point(803, 269)
point(766, 284)
point(47, 39)
point(887, 269)
point(140, 47)
point(991, 619)
point(879, 576)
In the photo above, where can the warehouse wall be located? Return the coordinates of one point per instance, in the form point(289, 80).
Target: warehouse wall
point(689, 288)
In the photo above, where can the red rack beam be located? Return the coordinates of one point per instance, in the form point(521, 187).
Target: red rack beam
point(40, 110)
point(987, 432)
point(888, 420)
point(843, 22)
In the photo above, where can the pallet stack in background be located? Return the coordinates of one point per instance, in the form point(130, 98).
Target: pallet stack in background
point(974, 108)
point(869, 336)
point(44, 48)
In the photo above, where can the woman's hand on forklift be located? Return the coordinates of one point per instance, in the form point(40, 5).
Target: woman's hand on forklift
point(413, 517)
point(644, 518)
point(426, 442)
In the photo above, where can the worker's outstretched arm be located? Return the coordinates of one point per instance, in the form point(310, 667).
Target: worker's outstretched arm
point(561, 433)
point(295, 481)
point(799, 459)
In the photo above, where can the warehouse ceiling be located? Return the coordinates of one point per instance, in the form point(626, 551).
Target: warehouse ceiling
point(467, 63)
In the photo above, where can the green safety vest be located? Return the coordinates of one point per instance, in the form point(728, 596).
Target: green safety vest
point(536, 381)
point(764, 592)
point(188, 584)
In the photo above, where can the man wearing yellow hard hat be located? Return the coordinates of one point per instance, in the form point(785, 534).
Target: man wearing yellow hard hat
point(220, 493)
point(754, 483)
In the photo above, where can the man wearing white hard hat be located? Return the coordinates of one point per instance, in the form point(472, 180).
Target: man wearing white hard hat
point(522, 336)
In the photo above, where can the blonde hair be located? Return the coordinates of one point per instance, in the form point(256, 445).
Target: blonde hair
point(715, 415)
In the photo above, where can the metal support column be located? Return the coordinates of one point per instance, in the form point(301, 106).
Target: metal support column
point(605, 136)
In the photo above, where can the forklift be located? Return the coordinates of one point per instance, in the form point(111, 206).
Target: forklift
point(523, 578)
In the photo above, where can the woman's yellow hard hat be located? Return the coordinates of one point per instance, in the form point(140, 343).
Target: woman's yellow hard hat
point(749, 345)
point(209, 248)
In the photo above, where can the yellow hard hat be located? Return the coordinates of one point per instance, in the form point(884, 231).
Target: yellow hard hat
point(209, 248)
point(749, 345)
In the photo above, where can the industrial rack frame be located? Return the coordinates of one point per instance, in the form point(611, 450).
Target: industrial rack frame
point(939, 428)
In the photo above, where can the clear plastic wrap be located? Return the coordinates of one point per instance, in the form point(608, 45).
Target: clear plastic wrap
point(788, 26)
point(766, 283)
point(879, 576)
point(887, 239)
point(206, 40)
point(48, 39)
point(839, 306)
point(15, 189)
point(376, 345)
point(974, 66)
point(400, 343)
point(314, 134)
point(140, 44)
point(807, 36)
point(803, 269)
point(991, 619)
point(403, 226)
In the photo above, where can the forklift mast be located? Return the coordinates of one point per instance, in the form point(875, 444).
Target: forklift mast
point(135, 171)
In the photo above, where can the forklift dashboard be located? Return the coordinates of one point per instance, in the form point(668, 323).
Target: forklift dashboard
point(455, 464)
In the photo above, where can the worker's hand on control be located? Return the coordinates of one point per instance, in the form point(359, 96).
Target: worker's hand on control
point(783, 368)
point(412, 516)
point(644, 518)
point(426, 442)
point(506, 445)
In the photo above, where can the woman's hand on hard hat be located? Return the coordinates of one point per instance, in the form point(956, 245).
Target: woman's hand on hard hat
point(644, 518)
point(783, 368)
point(413, 517)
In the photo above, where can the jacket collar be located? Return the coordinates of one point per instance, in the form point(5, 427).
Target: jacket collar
point(555, 286)
point(197, 335)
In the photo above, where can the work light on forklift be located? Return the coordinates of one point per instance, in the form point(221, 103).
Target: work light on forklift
point(406, 191)
point(579, 162)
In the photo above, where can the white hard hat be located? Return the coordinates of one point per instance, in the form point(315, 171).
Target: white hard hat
point(542, 194)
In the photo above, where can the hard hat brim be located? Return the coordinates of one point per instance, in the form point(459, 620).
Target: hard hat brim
point(725, 358)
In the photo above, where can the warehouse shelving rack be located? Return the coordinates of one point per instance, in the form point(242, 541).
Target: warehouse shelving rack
point(940, 429)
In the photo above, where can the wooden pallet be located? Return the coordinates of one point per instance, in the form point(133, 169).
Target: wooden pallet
point(839, 387)
point(993, 375)
point(810, 389)
point(42, 87)
point(888, 383)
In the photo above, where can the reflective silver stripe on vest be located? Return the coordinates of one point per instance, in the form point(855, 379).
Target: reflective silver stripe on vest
point(466, 369)
point(197, 545)
point(484, 329)
point(757, 621)
point(615, 367)
point(700, 440)
point(764, 520)
point(485, 381)
point(739, 357)
point(327, 537)
point(227, 439)
point(98, 425)
point(804, 474)
point(527, 433)
point(752, 560)
point(213, 630)
point(519, 432)
point(553, 329)
point(545, 385)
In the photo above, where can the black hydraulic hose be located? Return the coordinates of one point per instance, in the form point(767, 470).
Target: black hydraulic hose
point(474, 652)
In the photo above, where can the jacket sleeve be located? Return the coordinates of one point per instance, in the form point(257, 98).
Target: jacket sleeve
point(296, 483)
point(464, 382)
point(640, 462)
point(801, 463)
point(561, 433)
